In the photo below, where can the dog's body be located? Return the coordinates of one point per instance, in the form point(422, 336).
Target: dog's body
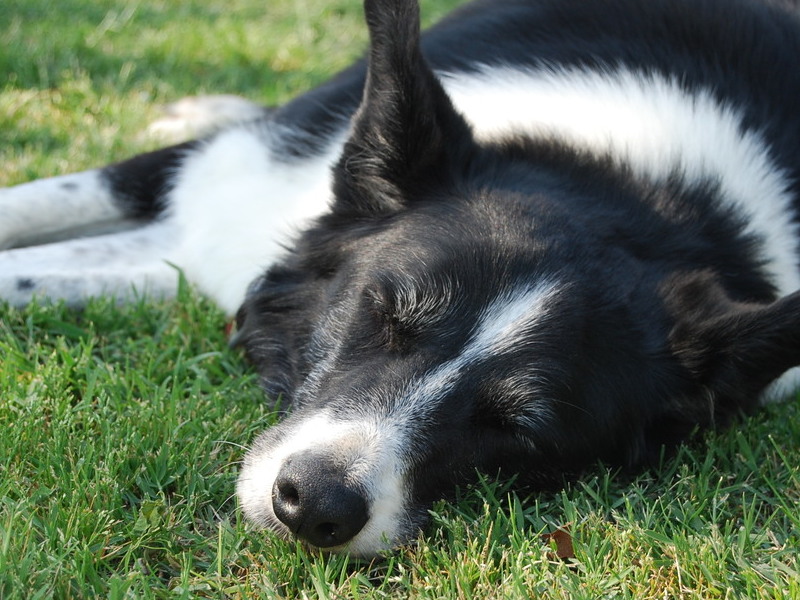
point(578, 241)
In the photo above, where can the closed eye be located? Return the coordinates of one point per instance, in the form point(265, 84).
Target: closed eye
point(407, 307)
point(389, 327)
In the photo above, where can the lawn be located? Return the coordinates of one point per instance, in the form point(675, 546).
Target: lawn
point(121, 427)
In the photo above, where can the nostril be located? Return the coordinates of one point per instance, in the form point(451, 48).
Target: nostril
point(286, 503)
point(327, 535)
point(288, 493)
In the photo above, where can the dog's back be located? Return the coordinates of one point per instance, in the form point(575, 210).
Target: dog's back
point(662, 87)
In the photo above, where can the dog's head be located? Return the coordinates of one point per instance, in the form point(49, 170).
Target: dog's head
point(455, 313)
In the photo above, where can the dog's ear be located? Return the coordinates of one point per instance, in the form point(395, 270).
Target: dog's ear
point(733, 350)
point(273, 327)
point(406, 132)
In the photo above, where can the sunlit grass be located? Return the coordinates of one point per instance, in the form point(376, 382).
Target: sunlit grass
point(120, 426)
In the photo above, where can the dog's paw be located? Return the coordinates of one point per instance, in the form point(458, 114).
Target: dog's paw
point(197, 116)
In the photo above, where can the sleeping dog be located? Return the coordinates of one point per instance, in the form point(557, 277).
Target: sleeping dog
point(546, 232)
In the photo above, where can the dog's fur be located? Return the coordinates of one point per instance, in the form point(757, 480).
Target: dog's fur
point(556, 231)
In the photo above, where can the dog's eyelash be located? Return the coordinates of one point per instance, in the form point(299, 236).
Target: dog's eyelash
point(413, 308)
point(392, 329)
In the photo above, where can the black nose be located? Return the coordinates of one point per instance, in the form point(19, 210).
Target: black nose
point(310, 496)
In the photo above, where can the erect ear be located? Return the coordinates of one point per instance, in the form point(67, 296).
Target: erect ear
point(732, 349)
point(406, 132)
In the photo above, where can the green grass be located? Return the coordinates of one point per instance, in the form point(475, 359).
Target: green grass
point(120, 426)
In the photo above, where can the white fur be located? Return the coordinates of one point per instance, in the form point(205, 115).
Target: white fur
point(507, 322)
point(55, 207)
point(784, 387)
point(124, 265)
point(511, 320)
point(657, 129)
point(233, 207)
point(197, 116)
point(236, 204)
point(371, 452)
point(650, 124)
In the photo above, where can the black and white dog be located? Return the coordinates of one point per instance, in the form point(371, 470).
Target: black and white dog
point(548, 232)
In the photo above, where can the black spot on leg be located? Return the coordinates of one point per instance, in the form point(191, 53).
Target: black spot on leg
point(70, 186)
point(25, 284)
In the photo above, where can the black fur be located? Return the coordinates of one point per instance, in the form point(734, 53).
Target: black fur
point(664, 319)
point(140, 184)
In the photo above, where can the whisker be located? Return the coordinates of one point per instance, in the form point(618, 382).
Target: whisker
point(229, 443)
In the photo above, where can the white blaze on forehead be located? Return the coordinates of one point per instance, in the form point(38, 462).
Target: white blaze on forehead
point(512, 318)
point(508, 322)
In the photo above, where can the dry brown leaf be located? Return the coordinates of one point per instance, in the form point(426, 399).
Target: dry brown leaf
point(562, 540)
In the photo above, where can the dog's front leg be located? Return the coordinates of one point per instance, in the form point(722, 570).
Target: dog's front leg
point(103, 231)
point(56, 208)
point(91, 202)
point(123, 265)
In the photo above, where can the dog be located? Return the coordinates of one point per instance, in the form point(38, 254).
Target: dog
point(542, 234)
